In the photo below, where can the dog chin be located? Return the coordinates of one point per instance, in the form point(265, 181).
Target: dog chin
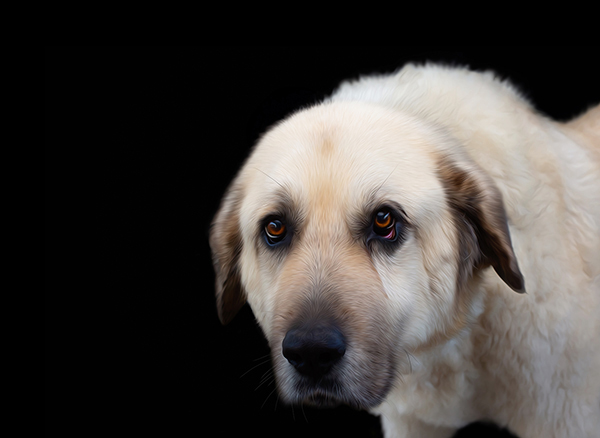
point(325, 399)
point(331, 394)
point(320, 399)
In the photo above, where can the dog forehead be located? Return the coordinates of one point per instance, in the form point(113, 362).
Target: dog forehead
point(342, 154)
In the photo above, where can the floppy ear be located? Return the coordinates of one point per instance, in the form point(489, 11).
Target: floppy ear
point(484, 238)
point(226, 244)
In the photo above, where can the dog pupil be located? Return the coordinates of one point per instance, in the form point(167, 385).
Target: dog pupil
point(275, 228)
point(383, 218)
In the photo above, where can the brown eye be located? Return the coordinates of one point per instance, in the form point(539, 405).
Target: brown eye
point(383, 224)
point(275, 231)
point(383, 219)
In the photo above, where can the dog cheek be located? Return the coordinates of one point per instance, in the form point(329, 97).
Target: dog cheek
point(408, 301)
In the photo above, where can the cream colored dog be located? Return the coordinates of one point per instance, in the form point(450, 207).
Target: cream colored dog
point(380, 237)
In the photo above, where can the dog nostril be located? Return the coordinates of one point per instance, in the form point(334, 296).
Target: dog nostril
point(313, 349)
point(294, 358)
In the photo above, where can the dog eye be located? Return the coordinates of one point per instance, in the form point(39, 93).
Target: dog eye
point(384, 224)
point(275, 231)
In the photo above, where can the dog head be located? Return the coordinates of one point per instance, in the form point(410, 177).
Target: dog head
point(356, 234)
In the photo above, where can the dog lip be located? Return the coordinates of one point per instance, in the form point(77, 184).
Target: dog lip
point(326, 395)
point(322, 394)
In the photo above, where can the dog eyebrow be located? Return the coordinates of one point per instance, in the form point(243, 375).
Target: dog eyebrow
point(374, 200)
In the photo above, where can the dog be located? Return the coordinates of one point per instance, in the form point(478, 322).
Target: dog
point(424, 245)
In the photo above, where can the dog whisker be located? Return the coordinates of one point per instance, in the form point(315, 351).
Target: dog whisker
point(268, 396)
point(270, 177)
point(303, 413)
point(269, 378)
point(256, 366)
point(262, 357)
point(385, 180)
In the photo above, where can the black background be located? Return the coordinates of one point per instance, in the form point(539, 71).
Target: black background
point(140, 146)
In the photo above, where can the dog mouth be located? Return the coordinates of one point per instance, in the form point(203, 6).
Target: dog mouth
point(331, 393)
point(325, 393)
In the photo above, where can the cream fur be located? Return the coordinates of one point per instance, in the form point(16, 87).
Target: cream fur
point(527, 362)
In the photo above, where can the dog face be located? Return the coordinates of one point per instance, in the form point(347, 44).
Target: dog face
point(356, 234)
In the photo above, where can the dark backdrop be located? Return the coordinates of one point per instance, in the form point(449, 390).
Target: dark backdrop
point(140, 146)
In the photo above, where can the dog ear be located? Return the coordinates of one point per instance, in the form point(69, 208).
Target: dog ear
point(226, 245)
point(484, 238)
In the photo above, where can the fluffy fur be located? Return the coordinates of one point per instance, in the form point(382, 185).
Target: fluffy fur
point(494, 198)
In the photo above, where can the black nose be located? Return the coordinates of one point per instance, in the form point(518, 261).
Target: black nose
point(314, 348)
